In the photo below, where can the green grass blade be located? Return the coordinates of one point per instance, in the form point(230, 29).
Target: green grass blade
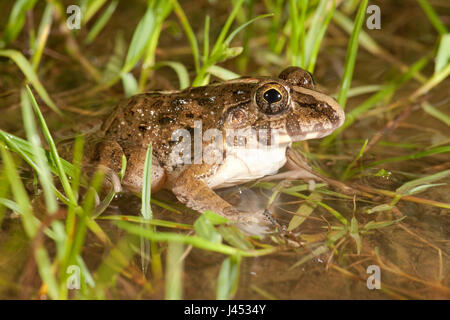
point(372, 101)
point(77, 163)
point(228, 279)
point(146, 209)
point(16, 20)
point(205, 229)
point(195, 241)
point(413, 156)
point(443, 54)
point(130, 84)
point(46, 273)
point(92, 7)
point(88, 206)
point(31, 76)
point(351, 164)
point(162, 9)
point(276, 25)
point(116, 60)
point(174, 271)
point(334, 212)
point(352, 51)
point(42, 36)
point(23, 148)
point(318, 40)
point(223, 33)
point(381, 224)
point(312, 37)
point(433, 17)
point(19, 192)
point(371, 45)
point(305, 210)
point(432, 111)
point(155, 222)
point(189, 33)
point(407, 188)
point(295, 35)
point(141, 38)
point(223, 73)
point(206, 39)
point(179, 68)
point(436, 79)
point(43, 169)
point(235, 237)
point(11, 205)
point(101, 22)
point(354, 233)
point(241, 27)
point(56, 159)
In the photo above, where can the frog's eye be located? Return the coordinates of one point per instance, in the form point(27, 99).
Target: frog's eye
point(298, 77)
point(272, 98)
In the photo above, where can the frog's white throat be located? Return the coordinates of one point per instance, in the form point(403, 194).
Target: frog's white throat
point(246, 164)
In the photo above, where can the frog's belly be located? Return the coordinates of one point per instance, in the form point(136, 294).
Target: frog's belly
point(242, 165)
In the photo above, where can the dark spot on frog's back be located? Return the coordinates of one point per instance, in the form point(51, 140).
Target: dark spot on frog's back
point(206, 102)
point(179, 103)
point(165, 120)
point(157, 104)
point(142, 127)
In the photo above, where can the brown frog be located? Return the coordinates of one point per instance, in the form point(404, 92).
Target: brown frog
point(258, 118)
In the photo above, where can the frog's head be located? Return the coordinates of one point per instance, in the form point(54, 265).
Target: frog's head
point(290, 104)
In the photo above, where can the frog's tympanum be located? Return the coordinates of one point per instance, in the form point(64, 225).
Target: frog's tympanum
point(219, 135)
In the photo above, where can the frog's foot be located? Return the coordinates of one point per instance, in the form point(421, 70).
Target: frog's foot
point(257, 223)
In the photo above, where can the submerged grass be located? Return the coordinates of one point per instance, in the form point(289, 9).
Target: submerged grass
point(64, 207)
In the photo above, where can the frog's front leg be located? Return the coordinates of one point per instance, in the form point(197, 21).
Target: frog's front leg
point(191, 189)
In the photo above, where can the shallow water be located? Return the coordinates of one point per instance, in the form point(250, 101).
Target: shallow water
point(413, 255)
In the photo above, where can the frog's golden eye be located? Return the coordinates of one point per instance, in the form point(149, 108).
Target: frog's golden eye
point(272, 98)
point(298, 77)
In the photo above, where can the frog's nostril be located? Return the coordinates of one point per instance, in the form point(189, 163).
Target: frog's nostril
point(272, 96)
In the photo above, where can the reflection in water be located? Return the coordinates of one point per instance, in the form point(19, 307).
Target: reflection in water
point(253, 206)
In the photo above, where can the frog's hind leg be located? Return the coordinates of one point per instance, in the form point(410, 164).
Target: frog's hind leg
point(134, 173)
point(111, 157)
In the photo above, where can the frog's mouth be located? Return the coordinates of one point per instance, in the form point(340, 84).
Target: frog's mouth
point(314, 115)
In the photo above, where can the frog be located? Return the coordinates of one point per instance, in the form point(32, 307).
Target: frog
point(270, 112)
